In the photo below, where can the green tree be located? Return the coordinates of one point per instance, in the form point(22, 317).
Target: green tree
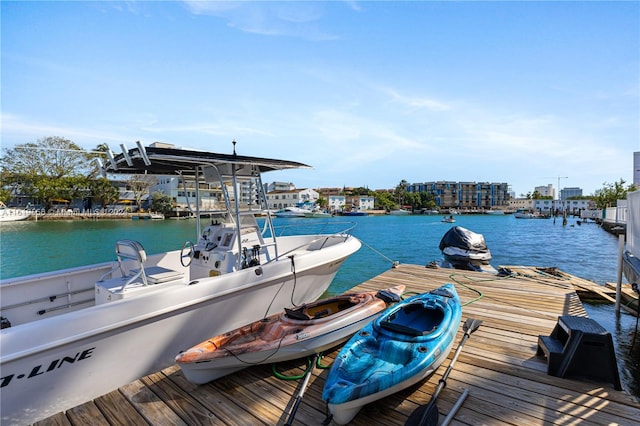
point(384, 201)
point(611, 193)
point(52, 167)
point(427, 201)
point(5, 195)
point(161, 203)
point(360, 191)
point(102, 189)
point(52, 156)
point(139, 185)
point(400, 192)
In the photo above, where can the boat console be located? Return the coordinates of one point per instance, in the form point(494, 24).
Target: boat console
point(216, 252)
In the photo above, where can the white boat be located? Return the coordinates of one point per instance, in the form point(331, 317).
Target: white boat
point(399, 212)
point(495, 212)
point(70, 336)
point(11, 214)
point(525, 214)
point(291, 212)
point(317, 213)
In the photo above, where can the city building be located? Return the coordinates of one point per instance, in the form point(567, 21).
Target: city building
point(336, 203)
point(546, 191)
point(469, 195)
point(281, 199)
point(340, 203)
point(521, 204)
point(280, 186)
point(182, 192)
point(573, 207)
point(566, 193)
point(636, 169)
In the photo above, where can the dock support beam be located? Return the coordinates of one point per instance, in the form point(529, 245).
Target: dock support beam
point(619, 280)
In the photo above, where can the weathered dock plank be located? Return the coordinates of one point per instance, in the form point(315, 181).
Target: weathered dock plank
point(508, 383)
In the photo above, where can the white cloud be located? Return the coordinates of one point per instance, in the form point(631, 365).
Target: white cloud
point(293, 19)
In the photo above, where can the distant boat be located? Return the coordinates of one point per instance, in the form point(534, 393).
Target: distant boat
point(317, 213)
point(449, 219)
point(495, 212)
point(399, 212)
point(354, 212)
point(524, 214)
point(291, 334)
point(291, 212)
point(10, 214)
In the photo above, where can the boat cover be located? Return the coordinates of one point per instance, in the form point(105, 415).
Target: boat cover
point(464, 239)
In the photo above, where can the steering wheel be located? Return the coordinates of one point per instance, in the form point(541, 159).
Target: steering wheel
point(187, 252)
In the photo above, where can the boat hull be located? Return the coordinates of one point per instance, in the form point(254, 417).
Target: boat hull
point(14, 215)
point(281, 338)
point(52, 364)
point(393, 352)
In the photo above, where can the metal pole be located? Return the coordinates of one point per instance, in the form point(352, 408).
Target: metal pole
point(619, 281)
point(455, 408)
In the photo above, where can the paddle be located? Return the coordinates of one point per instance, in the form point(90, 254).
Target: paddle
point(428, 414)
point(302, 389)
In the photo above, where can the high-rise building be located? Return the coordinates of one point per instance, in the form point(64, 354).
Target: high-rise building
point(546, 191)
point(566, 193)
point(636, 168)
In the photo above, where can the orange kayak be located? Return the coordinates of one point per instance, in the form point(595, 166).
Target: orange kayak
point(291, 334)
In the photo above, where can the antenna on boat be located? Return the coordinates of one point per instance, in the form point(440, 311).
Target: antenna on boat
point(234, 147)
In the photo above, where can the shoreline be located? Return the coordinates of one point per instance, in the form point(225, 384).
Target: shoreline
point(85, 216)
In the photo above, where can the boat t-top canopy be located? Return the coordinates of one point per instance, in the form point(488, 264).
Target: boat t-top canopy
point(174, 161)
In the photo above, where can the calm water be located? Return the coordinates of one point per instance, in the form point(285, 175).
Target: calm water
point(585, 251)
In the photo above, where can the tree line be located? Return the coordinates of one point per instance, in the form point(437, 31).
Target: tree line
point(55, 168)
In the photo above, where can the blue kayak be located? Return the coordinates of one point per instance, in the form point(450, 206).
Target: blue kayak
point(406, 344)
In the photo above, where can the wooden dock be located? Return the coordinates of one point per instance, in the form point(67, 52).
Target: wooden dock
point(507, 383)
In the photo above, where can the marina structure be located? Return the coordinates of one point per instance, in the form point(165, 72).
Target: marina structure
point(507, 382)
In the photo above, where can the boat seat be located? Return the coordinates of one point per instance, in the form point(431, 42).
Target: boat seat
point(131, 257)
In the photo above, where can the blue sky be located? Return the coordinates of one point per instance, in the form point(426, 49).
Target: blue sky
point(368, 93)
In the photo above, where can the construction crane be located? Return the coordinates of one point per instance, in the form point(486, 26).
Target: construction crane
point(557, 177)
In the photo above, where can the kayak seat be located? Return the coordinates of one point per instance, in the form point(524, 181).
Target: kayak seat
point(400, 328)
point(321, 314)
point(296, 314)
